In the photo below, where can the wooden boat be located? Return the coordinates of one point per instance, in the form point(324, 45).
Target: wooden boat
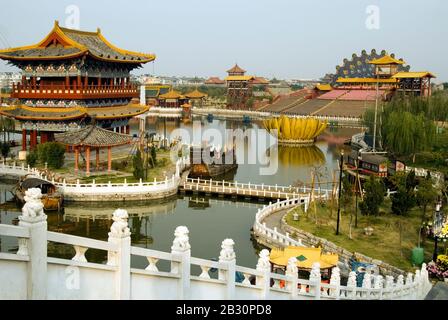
point(217, 165)
point(51, 199)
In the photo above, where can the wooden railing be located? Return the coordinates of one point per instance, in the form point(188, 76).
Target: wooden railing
point(72, 91)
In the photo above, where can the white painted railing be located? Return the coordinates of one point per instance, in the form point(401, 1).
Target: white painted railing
point(273, 235)
point(250, 189)
point(30, 274)
point(106, 191)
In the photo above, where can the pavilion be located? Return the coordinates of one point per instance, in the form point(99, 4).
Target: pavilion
point(306, 257)
point(172, 99)
point(196, 95)
point(92, 137)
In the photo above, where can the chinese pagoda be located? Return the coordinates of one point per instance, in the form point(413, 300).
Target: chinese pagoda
point(72, 79)
point(239, 88)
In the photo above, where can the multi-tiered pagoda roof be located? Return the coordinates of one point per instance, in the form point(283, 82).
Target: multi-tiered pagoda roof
point(63, 43)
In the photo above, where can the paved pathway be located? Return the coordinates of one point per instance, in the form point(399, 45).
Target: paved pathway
point(274, 220)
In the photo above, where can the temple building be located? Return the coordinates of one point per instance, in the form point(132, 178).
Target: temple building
point(239, 88)
point(72, 79)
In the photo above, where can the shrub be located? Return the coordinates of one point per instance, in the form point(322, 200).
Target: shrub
point(31, 158)
point(52, 153)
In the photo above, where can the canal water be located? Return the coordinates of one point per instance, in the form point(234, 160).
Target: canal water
point(210, 220)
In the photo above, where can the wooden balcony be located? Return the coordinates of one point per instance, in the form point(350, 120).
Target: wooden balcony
point(72, 92)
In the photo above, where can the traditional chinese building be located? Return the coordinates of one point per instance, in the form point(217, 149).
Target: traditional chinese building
point(239, 88)
point(72, 79)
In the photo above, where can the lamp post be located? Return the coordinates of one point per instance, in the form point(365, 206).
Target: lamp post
point(341, 164)
point(436, 227)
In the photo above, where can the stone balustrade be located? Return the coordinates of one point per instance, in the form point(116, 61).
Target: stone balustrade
point(106, 191)
point(30, 274)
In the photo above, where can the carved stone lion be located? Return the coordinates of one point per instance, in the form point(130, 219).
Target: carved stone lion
point(263, 260)
point(33, 205)
point(181, 240)
point(120, 225)
point(227, 253)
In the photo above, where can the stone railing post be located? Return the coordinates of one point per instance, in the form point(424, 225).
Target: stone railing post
point(367, 284)
point(335, 280)
point(121, 236)
point(181, 249)
point(378, 285)
point(34, 218)
point(292, 273)
point(351, 285)
point(315, 279)
point(227, 256)
point(264, 266)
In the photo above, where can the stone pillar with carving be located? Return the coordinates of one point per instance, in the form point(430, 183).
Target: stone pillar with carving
point(351, 285)
point(367, 284)
point(227, 256)
point(181, 250)
point(34, 219)
point(292, 272)
point(378, 285)
point(315, 278)
point(335, 280)
point(264, 266)
point(120, 235)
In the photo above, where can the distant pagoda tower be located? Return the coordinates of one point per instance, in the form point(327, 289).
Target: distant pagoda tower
point(239, 88)
point(72, 79)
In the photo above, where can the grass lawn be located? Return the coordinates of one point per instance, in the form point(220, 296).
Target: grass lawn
point(385, 242)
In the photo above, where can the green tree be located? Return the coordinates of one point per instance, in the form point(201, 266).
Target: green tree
point(404, 198)
point(138, 165)
point(374, 196)
point(425, 195)
point(154, 156)
point(5, 147)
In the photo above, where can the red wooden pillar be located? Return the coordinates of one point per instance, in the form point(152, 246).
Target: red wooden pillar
point(43, 137)
point(79, 83)
point(33, 139)
point(76, 159)
point(87, 160)
point(97, 164)
point(128, 129)
point(23, 139)
point(109, 158)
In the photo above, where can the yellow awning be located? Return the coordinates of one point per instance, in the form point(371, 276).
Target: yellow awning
point(404, 75)
point(306, 257)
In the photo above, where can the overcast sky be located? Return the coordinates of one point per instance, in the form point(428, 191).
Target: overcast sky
point(281, 38)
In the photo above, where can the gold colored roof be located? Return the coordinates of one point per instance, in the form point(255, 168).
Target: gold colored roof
point(23, 112)
point(386, 60)
point(195, 94)
point(306, 257)
point(239, 78)
point(365, 80)
point(172, 94)
point(424, 74)
point(236, 69)
point(324, 87)
point(72, 43)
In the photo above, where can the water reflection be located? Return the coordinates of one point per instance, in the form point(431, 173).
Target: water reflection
point(300, 156)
